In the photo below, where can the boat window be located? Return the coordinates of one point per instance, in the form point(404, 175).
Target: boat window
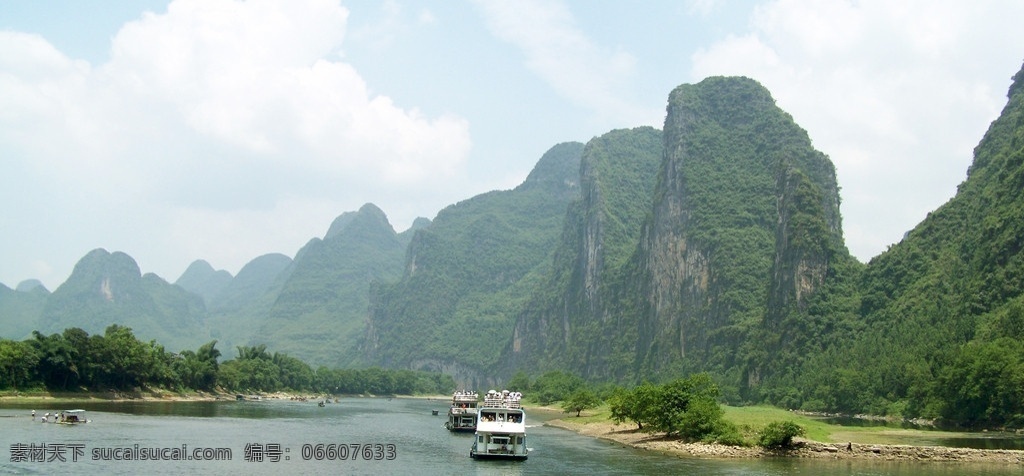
point(481, 438)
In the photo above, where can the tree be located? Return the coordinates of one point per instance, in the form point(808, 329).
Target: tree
point(519, 382)
point(555, 385)
point(56, 365)
point(675, 399)
point(581, 399)
point(635, 405)
point(779, 434)
point(18, 361)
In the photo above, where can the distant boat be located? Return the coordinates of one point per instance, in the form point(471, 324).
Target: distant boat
point(434, 412)
point(72, 417)
point(462, 412)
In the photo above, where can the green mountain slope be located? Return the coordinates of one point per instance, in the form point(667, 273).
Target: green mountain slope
point(107, 288)
point(200, 278)
point(319, 314)
point(565, 324)
point(943, 310)
point(20, 310)
point(468, 272)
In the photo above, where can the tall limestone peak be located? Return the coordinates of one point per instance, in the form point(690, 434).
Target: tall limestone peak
point(324, 296)
point(743, 201)
point(104, 274)
point(369, 219)
point(557, 169)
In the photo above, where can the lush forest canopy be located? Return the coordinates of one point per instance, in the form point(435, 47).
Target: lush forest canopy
point(116, 360)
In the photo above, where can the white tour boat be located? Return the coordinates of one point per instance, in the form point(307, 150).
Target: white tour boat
point(500, 427)
point(462, 412)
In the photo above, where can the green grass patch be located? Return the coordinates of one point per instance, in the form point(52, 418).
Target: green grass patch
point(752, 419)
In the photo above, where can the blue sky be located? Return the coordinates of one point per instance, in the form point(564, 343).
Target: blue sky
point(224, 130)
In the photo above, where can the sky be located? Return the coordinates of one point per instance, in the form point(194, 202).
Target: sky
point(224, 130)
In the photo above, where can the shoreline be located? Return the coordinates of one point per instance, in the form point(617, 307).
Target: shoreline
point(628, 435)
point(169, 396)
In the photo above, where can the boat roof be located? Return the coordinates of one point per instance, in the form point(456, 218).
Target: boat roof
point(74, 411)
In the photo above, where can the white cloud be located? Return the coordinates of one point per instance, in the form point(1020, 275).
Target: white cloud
point(876, 85)
point(212, 108)
point(559, 52)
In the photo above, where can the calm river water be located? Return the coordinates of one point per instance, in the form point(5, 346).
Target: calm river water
point(290, 432)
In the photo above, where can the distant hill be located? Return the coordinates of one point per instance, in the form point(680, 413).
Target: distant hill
point(200, 278)
point(20, 310)
point(106, 288)
point(236, 313)
point(32, 285)
point(319, 313)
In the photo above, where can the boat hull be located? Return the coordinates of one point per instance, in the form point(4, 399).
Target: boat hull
point(508, 455)
point(475, 455)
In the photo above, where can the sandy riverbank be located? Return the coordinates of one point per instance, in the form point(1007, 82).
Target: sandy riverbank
point(628, 435)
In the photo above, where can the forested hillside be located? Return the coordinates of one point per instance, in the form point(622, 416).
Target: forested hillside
point(735, 234)
point(108, 288)
point(565, 325)
point(319, 314)
point(468, 273)
point(942, 312)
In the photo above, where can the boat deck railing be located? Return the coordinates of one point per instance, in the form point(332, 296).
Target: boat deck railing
point(503, 399)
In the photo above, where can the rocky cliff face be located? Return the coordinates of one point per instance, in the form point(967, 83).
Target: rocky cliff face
point(731, 231)
point(567, 323)
point(745, 220)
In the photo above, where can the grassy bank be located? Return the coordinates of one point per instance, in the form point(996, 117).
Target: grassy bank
point(823, 440)
point(752, 419)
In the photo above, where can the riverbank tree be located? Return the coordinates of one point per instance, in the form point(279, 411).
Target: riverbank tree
point(117, 360)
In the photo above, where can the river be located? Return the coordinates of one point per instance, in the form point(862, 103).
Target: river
point(341, 438)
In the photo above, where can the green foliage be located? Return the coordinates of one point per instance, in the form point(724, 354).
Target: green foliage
point(470, 271)
point(580, 399)
point(117, 360)
point(520, 381)
point(377, 381)
point(983, 385)
point(18, 363)
point(555, 386)
point(779, 434)
point(686, 407)
point(637, 404)
point(675, 401)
